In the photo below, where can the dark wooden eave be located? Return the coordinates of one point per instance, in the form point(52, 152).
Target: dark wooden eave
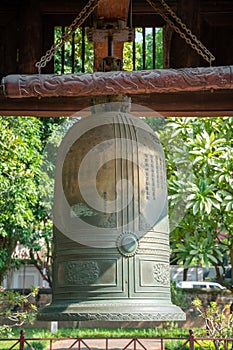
point(20, 51)
point(202, 103)
point(187, 103)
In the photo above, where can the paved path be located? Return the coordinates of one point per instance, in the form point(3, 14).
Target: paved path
point(112, 344)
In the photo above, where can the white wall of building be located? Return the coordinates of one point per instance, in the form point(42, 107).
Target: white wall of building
point(26, 277)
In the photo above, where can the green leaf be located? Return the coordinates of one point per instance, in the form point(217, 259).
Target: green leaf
point(229, 206)
point(196, 208)
point(208, 205)
point(213, 259)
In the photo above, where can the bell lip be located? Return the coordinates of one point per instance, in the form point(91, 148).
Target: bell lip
point(131, 311)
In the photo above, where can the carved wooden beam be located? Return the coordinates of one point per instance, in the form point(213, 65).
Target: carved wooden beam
point(121, 82)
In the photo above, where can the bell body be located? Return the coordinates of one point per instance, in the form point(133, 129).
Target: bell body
point(111, 231)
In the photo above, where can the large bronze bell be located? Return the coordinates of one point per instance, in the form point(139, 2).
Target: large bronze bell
point(111, 231)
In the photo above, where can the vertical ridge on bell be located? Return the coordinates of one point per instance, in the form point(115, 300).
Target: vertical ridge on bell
point(131, 212)
point(116, 171)
point(122, 160)
point(131, 186)
point(136, 177)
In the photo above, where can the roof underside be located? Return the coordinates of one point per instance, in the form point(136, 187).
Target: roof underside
point(211, 21)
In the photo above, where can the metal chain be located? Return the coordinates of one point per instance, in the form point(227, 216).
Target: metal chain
point(77, 22)
point(196, 44)
point(92, 4)
point(188, 31)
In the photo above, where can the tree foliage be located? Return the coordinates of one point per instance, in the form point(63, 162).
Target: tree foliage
point(16, 309)
point(128, 49)
point(199, 157)
point(218, 320)
point(65, 54)
point(24, 182)
point(19, 170)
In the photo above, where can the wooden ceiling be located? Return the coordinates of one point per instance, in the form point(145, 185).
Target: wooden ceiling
point(26, 32)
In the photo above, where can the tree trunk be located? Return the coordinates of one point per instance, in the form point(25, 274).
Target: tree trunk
point(185, 274)
point(231, 261)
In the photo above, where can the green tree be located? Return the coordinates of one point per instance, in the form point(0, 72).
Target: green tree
point(158, 49)
point(19, 170)
point(24, 183)
point(218, 320)
point(199, 157)
point(16, 309)
point(66, 52)
point(128, 49)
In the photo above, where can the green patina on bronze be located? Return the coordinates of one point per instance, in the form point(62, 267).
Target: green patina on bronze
point(117, 268)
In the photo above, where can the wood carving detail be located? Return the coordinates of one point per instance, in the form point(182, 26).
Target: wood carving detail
point(118, 82)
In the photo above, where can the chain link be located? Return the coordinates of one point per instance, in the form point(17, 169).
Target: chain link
point(77, 22)
point(92, 4)
point(192, 40)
